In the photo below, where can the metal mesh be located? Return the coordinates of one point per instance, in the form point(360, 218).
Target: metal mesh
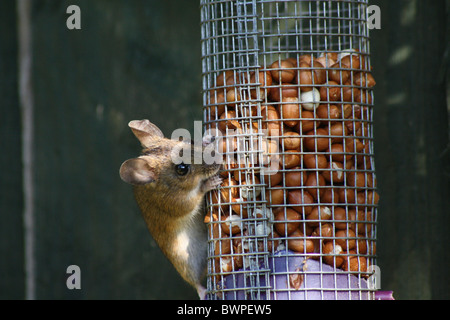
point(287, 88)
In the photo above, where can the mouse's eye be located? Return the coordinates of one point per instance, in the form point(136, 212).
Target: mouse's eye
point(182, 169)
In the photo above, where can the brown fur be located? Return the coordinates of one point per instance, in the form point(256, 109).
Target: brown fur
point(171, 203)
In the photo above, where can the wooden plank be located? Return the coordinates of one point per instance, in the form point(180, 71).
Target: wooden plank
point(411, 139)
point(142, 60)
point(11, 200)
point(130, 60)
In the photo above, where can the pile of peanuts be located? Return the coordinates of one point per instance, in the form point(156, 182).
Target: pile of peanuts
point(316, 113)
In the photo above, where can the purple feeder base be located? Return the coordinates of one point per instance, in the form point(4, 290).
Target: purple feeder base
point(296, 278)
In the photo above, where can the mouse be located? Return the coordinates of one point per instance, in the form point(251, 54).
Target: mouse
point(171, 195)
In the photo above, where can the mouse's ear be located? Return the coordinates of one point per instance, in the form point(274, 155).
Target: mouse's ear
point(146, 132)
point(137, 172)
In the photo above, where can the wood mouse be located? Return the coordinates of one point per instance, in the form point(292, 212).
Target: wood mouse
point(171, 198)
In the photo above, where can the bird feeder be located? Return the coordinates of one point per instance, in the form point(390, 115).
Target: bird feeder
point(288, 93)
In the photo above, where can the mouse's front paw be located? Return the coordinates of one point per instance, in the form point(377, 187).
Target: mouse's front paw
point(212, 183)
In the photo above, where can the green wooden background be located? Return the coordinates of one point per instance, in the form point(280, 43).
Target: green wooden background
point(141, 59)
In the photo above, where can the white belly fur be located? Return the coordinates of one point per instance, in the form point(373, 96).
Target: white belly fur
point(181, 245)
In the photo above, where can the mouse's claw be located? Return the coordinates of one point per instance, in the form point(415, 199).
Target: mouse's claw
point(212, 183)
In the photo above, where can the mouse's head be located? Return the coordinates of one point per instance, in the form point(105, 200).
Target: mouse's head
point(169, 164)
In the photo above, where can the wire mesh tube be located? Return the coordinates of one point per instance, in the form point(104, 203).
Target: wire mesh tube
point(287, 89)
